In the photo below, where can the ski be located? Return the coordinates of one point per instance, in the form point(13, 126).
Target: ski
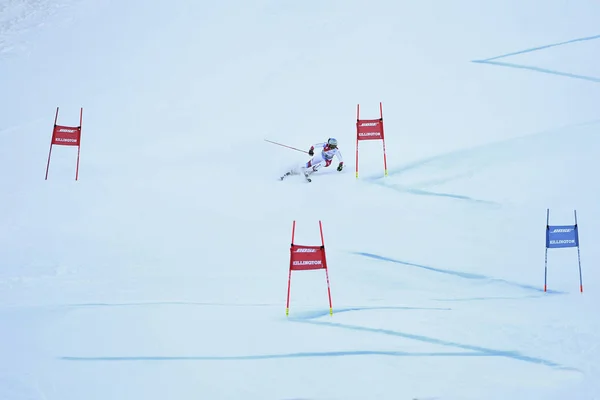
point(306, 176)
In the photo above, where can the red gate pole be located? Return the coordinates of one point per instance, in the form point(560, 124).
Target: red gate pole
point(287, 304)
point(51, 140)
point(326, 269)
point(79, 143)
point(357, 119)
point(383, 140)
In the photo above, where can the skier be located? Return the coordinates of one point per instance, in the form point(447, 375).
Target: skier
point(325, 153)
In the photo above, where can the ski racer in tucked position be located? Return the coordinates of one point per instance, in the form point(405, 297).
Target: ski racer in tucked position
point(322, 156)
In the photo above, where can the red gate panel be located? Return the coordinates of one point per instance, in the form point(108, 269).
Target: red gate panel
point(66, 135)
point(369, 129)
point(305, 258)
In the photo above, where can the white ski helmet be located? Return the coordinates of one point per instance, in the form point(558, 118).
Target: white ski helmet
point(332, 142)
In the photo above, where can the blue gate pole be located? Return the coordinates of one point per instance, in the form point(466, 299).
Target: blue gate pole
point(578, 254)
point(546, 245)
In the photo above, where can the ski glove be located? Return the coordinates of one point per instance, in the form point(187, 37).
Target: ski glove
point(339, 168)
point(311, 152)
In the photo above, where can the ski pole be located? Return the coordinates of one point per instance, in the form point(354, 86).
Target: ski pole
point(283, 145)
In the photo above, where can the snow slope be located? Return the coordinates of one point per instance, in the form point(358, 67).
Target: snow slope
point(162, 272)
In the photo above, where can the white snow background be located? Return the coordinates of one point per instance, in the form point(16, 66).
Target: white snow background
point(162, 272)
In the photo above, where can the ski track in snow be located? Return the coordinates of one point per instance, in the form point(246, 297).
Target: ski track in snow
point(491, 60)
point(484, 155)
point(461, 349)
point(468, 350)
point(459, 274)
